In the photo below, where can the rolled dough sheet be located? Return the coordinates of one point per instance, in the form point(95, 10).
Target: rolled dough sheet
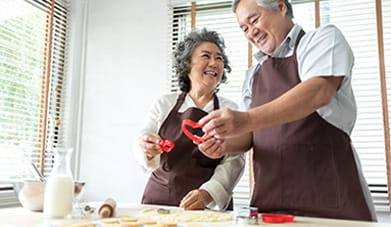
point(187, 215)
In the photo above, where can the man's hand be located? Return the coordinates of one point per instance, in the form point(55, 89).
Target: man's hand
point(149, 144)
point(225, 122)
point(196, 200)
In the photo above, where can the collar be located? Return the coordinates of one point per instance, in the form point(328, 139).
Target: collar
point(287, 44)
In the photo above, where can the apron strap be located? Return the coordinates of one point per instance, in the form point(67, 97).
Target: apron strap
point(216, 104)
point(301, 34)
point(179, 102)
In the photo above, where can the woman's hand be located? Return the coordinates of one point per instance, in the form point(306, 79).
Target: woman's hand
point(224, 123)
point(212, 147)
point(196, 199)
point(149, 144)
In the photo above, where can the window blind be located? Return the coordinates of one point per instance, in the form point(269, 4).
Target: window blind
point(33, 47)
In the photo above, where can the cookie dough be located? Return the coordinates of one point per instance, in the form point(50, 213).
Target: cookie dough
point(187, 216)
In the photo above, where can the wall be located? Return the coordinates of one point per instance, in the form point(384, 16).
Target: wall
point(119, 70)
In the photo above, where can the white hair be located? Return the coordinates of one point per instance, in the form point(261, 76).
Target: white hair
point(271, 5)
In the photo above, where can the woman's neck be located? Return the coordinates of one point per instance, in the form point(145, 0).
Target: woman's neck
point(201, 97)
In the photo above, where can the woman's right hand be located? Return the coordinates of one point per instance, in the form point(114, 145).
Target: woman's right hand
point(149, 144)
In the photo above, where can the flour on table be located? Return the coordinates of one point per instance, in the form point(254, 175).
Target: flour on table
point(187, 215)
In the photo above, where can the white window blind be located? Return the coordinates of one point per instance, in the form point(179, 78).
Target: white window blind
point(304, 13)
point(33, 47)
point(357, 20)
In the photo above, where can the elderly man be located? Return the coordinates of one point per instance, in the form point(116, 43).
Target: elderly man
point(300, 113)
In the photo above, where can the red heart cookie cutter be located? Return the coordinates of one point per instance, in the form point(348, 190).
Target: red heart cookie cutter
point(166, 145)
point(277, 218)
point(192, 124)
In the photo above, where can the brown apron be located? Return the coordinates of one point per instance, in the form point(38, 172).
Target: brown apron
point(184, 168)
point(305, 167)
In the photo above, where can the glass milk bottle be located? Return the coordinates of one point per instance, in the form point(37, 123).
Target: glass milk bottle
point(59, 186)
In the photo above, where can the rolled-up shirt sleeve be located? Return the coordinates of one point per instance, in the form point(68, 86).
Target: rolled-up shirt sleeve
point(324, 52)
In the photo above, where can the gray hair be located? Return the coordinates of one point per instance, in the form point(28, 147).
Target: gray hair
point(268, 4)
point(184, 50)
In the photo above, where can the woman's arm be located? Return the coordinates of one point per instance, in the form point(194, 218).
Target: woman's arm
point(145, 148)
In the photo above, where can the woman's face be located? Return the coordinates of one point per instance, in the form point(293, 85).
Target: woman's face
point(207, 66)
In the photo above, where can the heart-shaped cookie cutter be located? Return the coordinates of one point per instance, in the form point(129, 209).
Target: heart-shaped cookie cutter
point(192, 124)
point(166, 145)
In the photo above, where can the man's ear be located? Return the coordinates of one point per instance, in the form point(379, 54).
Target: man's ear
point(282, 7)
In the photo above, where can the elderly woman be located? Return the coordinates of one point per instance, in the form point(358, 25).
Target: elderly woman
point(184, 176)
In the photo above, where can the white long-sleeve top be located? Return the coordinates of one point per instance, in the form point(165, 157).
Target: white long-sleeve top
point(226, 174)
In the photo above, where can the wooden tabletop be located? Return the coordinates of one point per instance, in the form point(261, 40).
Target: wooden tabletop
point(21, 217)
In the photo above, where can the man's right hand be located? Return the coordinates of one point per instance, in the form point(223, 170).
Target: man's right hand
point(225, 123)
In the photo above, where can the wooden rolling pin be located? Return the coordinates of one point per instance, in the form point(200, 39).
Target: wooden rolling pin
point(107, 209)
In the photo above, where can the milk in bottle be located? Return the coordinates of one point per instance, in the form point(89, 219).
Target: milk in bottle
point(59, 186)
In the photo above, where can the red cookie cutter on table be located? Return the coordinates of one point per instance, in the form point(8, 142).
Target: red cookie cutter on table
point(277, 218)
point(166, 145)
point(254, 214)
point(192, 124)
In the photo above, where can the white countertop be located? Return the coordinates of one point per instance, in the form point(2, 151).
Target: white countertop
point(21, 217)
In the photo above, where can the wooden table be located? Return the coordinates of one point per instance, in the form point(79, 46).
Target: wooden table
point(21, 217)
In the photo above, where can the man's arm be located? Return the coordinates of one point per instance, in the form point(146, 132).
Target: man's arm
point(297, 103)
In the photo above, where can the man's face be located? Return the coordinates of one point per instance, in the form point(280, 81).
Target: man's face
point(263, 28)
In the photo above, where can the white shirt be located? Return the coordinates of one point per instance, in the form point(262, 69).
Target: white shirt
point(321, 52)
point(226, 174)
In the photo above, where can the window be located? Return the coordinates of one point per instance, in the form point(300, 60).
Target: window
point(32, 87)
point(358, 21)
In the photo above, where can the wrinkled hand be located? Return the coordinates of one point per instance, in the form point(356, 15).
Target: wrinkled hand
point(212, 147)
point(196, 200)
point(225, 122)
point(149, 143)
